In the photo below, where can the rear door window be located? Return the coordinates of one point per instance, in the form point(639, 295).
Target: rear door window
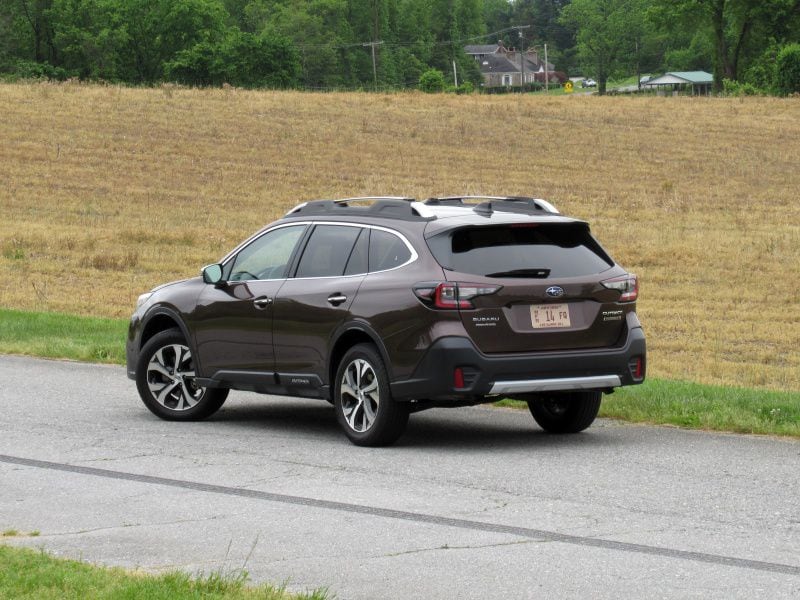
point(327, 251)
point(535, 250)
point(357, 263)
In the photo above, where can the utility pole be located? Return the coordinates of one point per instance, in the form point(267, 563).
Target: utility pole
point(546, 76)
point(455, 74)
point(519, 29)
point(638, 74)
point(374, 68)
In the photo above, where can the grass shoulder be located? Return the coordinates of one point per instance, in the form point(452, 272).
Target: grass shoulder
point(27, 573)
point(55, 335)
point(698, 406)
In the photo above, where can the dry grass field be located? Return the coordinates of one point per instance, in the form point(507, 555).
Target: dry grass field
point(107, 191)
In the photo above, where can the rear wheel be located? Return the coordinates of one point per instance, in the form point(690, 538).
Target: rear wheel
point(565, 413)
point(165, 378)
point(363, 401)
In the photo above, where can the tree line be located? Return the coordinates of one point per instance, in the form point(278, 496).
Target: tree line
point(347, 44)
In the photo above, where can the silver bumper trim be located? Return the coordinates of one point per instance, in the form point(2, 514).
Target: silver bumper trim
point(555, 385)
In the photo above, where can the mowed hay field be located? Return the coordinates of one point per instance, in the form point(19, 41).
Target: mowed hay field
point(107, 191)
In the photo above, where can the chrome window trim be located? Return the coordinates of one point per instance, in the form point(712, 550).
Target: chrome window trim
point(247, 242)
point(414, 255)
point(253, 238)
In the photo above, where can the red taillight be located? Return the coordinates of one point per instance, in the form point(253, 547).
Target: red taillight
point(450, 295)
point(626, 285)
point(446, 296)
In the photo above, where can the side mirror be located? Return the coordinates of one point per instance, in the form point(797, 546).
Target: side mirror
point(212, 274)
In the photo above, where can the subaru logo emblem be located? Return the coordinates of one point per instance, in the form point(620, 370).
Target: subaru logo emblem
point(554, 291)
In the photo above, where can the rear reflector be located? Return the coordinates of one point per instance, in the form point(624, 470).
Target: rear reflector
point(458, 378)
point(637, 368)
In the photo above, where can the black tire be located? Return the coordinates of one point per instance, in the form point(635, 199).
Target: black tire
point(363, 400)
point(168, 389)
point(565, 413)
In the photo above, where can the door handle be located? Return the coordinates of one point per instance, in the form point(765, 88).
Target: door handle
point(337, 299)
point(263, 302)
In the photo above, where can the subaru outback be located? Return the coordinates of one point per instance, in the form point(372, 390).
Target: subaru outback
point(388, 306)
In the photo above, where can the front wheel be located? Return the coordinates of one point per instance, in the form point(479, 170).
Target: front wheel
point(363, 401)
point(565, 413)
point(165, 379)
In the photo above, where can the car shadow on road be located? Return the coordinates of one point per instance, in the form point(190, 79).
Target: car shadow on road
point(472, 432)
point(466, 429)
point(312, 417)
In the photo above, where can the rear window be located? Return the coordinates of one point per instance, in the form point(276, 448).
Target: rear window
point(528, 251)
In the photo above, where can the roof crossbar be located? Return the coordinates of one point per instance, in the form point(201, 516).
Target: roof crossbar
point(388, 206)
point(501, 203)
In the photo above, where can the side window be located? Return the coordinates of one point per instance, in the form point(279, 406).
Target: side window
point(357, 264)
point(327, 251)
point(266, 257)
point(386, 251)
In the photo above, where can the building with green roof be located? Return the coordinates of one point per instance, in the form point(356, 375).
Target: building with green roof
point(698, 82)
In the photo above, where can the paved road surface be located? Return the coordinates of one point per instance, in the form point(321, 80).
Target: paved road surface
point(472, 503)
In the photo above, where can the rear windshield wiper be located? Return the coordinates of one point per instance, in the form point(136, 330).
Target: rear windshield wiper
point(533, 273)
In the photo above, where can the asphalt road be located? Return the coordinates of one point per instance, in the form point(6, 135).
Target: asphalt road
point(472, 503)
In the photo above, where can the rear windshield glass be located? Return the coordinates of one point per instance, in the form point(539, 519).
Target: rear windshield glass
point(528, 251)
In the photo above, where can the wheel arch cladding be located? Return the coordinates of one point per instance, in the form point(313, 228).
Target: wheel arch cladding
point(346, 340)
point(162, 321)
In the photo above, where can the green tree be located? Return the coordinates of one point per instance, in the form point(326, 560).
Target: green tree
point(788, 70)
point(432, 81)
point(35, 15)
point(91, 37)
point(159, 29)
point(607, 34)
point(319, 29)
point(242, 59)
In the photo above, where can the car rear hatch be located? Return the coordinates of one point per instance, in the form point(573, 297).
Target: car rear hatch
point(531, 286)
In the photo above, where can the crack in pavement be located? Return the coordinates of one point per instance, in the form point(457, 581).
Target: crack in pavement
point(464, 547)
point(133, 526)
point(373, 511)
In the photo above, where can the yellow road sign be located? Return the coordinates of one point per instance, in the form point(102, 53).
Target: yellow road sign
point(568, 87)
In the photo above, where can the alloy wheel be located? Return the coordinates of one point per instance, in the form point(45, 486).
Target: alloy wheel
point(171, 378)
point(360, 395)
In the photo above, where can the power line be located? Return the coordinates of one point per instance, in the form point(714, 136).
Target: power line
point(463, 41)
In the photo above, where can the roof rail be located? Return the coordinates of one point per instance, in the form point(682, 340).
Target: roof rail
point(499, 203)
point(386, 206)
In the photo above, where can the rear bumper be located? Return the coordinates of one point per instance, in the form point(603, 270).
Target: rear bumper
point(555, 384)
point(514, 374)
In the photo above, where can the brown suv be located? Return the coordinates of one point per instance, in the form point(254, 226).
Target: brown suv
point(387, 306)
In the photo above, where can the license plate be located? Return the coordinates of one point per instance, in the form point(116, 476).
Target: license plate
point(550, 316)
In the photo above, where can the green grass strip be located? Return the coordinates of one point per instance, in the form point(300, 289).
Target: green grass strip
point(54, 335)
point(712, 407)
point(26, 573)
point(699, 406)
point(658, 401)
